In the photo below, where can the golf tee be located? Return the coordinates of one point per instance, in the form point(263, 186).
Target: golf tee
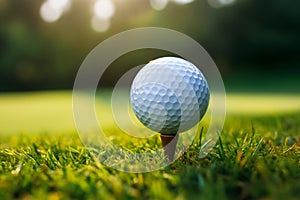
point(169, 143)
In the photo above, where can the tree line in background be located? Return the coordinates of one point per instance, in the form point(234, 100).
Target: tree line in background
point(246, 37)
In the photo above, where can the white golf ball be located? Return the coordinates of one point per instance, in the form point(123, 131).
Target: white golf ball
point(169, 95)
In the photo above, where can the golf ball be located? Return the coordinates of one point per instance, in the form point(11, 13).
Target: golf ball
point(169, 95)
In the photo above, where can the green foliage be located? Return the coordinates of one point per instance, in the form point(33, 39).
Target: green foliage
point(256, 157)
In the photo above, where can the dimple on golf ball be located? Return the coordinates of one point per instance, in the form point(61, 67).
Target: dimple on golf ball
point(169, 95)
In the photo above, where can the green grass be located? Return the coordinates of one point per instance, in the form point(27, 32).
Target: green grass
point(36, 112)
point(51, 112)
point(257, 156)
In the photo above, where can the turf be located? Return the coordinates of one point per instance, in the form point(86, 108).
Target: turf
point(51, 112)
point(257, 157)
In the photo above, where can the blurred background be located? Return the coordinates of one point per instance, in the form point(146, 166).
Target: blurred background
point(254, 43)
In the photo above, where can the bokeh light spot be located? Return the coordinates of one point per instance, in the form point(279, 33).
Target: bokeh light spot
point(100, 25)
point(52, 10)
point(49, 13)
point(224, 2)
point(220, 3)
point(104, 9)
point(61, 5)
point(183, 1)
point(158, 4)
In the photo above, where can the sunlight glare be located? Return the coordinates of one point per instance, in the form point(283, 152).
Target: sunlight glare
point(104, 9)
